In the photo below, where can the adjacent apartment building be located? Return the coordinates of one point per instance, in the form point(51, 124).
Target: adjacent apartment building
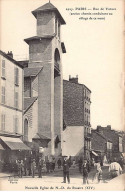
point(11, 107)
point(76, 115)
point(112, 145)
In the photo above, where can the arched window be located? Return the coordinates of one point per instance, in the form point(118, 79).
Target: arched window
point(57, 58)
point(25, 130)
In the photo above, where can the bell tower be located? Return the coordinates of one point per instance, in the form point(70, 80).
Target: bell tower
point(45, 50)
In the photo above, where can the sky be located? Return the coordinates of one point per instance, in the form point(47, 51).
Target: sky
point(94, 48)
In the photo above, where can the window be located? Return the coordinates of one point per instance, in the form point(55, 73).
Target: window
point(56, 145)
point(3, 122)
point(90, 145)
point(16, 76)
point(3, 68)
point(25, 130)
point(3, 95)
point(56, 25)
point(58, 29)
point(16, 124)
point(85, 132)
point(16, 100)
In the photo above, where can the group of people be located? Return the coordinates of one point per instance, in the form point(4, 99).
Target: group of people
point(115, 169)
point(28, 166)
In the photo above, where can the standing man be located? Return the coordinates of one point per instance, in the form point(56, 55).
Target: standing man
point(40, 166)
point(48, 165)
point(33, 168)
point(85, 172)
point(59, 163)
point(98, 172)
point(20, 168)
point(66, 166)
point(53, 164)
point(25, 166)
point(80, 164)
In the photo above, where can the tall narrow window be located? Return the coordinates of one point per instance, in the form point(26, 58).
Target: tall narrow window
point(16, 124)
point(3, 95)
point(56, 25)
point(58, 29)
point(3, 68)
point(25, 130)
point(3, 122)
point(16, 76)
point(16, 100)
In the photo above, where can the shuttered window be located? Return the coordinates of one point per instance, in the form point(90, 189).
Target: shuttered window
point(16, 76)
point(16, 124)
point(16, 103)
point(3, 95)
point(3, 68)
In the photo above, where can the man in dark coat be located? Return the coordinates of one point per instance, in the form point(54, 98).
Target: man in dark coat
point(66, 166)
point(85, 172)
point(40, 166)
point(53, 164)
point(80, 165)
point(25, 166)
point(59, 163)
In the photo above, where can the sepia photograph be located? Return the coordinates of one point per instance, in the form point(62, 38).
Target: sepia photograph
point(62, 100)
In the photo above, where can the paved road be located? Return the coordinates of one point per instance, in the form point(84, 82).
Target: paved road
point(74, 173)
point(54, 180)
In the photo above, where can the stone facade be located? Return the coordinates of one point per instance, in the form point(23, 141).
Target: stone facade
point(45, 52)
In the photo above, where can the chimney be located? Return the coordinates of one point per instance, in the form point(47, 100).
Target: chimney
point(109, 127)
point(100, 129)
point(10, 54)
point(73, 79)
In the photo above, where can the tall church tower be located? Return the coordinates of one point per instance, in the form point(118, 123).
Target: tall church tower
point(45, 50)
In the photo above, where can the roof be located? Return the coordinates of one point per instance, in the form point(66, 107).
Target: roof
point(28, 102)
point(109, 133)
point(27, 40)
point(78, 84)
point(98, 142)
point(24, 63)
point(101, 135)
point(40, 136)
point(1, 147)
point(11, 59)
point(32, 72)
point(48, 7)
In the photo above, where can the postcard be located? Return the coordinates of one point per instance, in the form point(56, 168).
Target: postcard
point(62, 102)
